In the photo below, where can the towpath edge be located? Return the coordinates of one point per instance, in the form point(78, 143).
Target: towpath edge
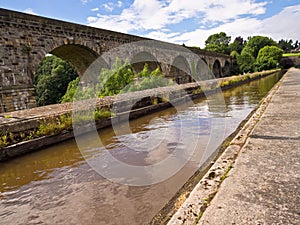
point(256, 179)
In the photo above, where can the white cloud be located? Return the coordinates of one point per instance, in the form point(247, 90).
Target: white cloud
point(283, 25)
point(155, 14)
point(279, 26)
point(108, 6)
point(30, 11)
point(236, 18)
point(84, 1)
point(119, 4)
point(95, 9)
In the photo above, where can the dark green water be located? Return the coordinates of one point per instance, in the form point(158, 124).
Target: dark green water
point(57, 185)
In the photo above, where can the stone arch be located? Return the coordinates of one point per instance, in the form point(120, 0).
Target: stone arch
point(140, 59)
point(79, 56)
point(180, 70)
point(226, 69)
point(204, 60)
point(203, 71)
point(217, 71)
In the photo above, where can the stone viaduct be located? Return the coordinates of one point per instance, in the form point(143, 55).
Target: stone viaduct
point(26, 39)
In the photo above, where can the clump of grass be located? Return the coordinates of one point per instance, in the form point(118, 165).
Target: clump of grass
point(4, 139)
point(197, 91)
point(54, 125)
point(225, 175)
point(101, 114)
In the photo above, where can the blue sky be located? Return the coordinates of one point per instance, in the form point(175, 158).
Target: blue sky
point(177, 21)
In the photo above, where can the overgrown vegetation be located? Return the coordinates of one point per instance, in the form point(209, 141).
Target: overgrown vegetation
point(119, 79)
point(255, 54)
point(51, 80)
point(48, 126)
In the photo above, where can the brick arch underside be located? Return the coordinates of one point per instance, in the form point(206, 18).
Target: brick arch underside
point(79, 56)
point(217, 70)
point(180, 70)
point(202, 71)
point(139, 60)
point(226, 69)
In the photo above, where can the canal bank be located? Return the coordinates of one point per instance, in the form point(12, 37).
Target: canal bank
point(29, 130)
point(256, 179)
point(57, 186)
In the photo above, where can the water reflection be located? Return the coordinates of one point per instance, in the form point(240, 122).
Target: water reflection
point(56, 186)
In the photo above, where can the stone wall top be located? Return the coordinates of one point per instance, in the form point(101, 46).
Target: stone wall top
point(22, 19)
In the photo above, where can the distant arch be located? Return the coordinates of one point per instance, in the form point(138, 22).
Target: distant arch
point(226, 69)
point(217, 69)
point(139, 60)
point(180, 70)
point(202, 71)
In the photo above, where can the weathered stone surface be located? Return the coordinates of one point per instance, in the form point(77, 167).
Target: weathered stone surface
point(26, 39)
point(263, 186)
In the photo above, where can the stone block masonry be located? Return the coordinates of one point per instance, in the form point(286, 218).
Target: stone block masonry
point(26, 39)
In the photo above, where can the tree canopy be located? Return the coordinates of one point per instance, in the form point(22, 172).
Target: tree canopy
point(51, 80)
point(268, 58)
point(218, 43)
point(255, 43)
point(237, 45)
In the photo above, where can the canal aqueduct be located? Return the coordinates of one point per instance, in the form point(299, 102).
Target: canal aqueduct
point(26, 39)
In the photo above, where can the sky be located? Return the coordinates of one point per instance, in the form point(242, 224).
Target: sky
point(178, 21)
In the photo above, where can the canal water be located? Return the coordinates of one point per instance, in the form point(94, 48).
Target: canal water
point(57, 186)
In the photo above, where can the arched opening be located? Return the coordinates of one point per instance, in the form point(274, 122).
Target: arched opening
point(204, 60)
point(202, 71)
point(79, 56)
point(139, 60)
point(226, 69)
point(61, 66)
point(217, 69)
point(180, 71)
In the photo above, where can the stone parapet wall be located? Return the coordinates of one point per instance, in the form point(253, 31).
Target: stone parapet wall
point(16, 98)
point(24, 127)
point(26, 39)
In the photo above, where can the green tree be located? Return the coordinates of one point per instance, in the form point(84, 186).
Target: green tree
point(286, 45)
point(147, 80)
point(246, 61)
point(119, 79)
point(255, 43)
point(237, 45)
point(112, 81)
point(268, 58)
point(218, 43)
point(235, 67)
point(51, 80)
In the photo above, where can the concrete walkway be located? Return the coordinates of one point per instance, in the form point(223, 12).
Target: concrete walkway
point(263, 187)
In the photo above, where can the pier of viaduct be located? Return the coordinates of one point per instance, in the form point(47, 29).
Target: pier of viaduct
point(26, 39)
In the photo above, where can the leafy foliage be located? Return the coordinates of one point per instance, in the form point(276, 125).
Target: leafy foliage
point(255, 43)
point(268, 58)
point(147, 80)
point(218, 43)
point(246, 61)
point(237, 45)
point(286, 45)
point(120, 79)
point(51, 80)
point(112, 81)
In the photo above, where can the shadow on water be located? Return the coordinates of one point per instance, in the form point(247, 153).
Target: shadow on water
point(57, 186)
